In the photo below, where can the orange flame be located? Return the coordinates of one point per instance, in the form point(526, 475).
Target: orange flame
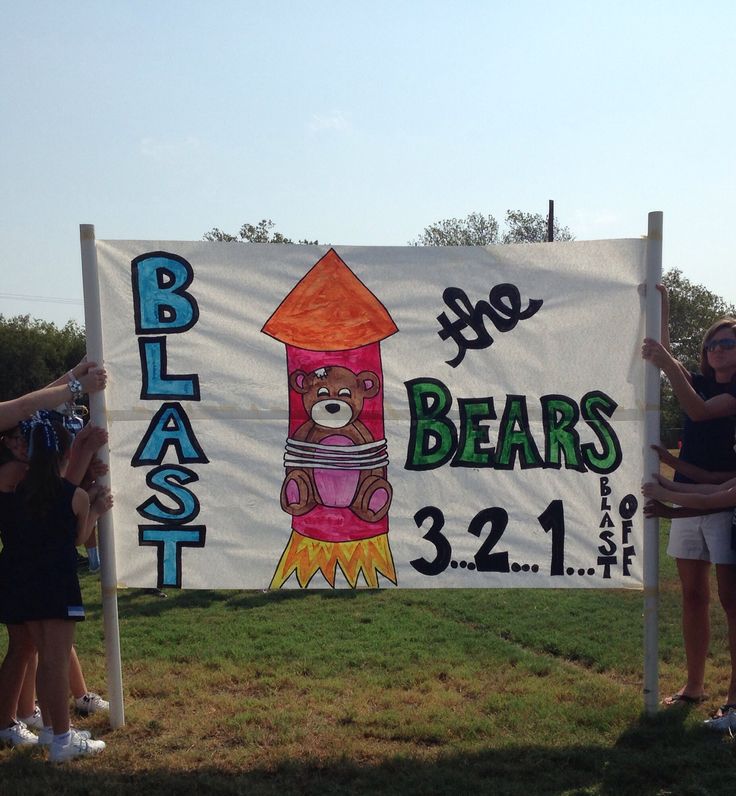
point(307, 556)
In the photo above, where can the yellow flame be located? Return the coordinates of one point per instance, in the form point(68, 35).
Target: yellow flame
point(307, 556)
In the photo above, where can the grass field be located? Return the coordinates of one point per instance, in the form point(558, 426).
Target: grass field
point(391, 692)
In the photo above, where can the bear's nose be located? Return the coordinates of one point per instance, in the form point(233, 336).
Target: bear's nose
point(332, 408)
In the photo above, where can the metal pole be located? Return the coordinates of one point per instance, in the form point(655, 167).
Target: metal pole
point(651, 464)
point(98, 415)
point(551, 221)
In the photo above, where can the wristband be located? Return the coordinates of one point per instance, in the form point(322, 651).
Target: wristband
point(76, 387)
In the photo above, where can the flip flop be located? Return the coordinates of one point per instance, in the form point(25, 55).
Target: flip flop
point(683, 699)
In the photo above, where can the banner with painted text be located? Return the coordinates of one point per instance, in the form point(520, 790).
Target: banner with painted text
point(287, 416)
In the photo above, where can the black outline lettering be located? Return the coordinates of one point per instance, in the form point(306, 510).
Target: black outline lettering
point(146, 394)
point(180, 291)
point(176, 518)
point(138, 461)
point(469, 422)
point(160, 545)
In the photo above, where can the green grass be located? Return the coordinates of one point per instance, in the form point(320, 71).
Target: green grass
point(391, 692)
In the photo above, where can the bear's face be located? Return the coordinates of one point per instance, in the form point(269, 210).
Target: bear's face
point(333, 396)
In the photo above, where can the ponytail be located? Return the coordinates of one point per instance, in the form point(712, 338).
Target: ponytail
point(48, 441)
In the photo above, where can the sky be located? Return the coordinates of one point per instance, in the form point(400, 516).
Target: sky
point(359, 124)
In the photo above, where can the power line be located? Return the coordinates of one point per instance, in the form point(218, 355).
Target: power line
point(50, 299)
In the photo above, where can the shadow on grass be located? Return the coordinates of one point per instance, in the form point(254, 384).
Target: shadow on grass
point(139, 602)
point(652, 757)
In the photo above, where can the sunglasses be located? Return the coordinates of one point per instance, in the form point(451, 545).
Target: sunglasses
point(725, 344)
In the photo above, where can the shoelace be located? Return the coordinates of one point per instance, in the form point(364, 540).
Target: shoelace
point(23, 730)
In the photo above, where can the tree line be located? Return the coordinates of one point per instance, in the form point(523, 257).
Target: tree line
point(33, 353)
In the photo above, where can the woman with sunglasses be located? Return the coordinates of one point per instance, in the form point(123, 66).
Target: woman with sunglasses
point(708, 400)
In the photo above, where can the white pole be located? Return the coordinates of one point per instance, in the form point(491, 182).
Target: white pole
point(651, 465)
point(98, 414)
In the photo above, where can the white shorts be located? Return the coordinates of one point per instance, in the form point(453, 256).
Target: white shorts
point(704, 538)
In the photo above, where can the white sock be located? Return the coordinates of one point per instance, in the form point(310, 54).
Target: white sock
point(63, 739)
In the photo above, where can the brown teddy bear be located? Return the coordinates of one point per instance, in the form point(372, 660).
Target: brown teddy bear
point(332, 459)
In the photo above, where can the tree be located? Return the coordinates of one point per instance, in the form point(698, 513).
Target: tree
point(531, 228)
point(693, 308)
point(254, 233)
point(33, 353)
point(473, 230)
point(479, 230)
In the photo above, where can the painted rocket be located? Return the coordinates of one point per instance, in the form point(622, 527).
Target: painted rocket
point(335, 486)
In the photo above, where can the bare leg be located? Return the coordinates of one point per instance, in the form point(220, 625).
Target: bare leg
point(12, 671)
point(93, 554)
point(726, 575)
point(77, 684)
point(54, 638)
point(27, 698)
point(695, 581)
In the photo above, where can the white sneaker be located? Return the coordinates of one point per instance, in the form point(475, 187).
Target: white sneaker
point(34, 720)
point(77, 747)
point(90, 703)
point(18, 735)
point(724, 723)
point(46, 736)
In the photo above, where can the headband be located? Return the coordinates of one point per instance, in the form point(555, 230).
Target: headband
point(41, 419)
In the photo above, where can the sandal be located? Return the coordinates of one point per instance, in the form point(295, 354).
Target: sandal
point(683, 699)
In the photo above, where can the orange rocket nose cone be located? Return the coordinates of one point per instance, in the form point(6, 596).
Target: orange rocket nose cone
point(330, 309)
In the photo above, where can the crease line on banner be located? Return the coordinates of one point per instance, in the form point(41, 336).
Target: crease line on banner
point(394, 413)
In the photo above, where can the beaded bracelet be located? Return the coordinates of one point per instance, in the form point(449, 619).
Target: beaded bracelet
point(75, 386)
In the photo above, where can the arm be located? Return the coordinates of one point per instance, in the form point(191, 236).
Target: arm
point(654, 508)
point(12, 412)
point(664, 333)
point(97, 468)
point(703, 489)
point(78, 371)
point(80, 507)
point(89, 507)
point(722, 499)
point(89, 440)
point(692, 471)
point(691, 403)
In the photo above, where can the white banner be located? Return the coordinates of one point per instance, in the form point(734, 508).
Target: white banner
point(289, 416)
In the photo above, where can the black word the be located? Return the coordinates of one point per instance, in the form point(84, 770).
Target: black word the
point(503, 309)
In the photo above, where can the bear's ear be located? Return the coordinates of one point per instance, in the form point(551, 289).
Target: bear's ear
point(296, 382)
point(369, 382)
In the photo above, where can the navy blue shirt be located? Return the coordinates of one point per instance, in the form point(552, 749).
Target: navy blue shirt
point(709, 443)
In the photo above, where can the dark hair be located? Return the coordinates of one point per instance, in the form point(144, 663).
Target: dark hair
point(47, 444)
point(5, 452)
point(722, 323)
